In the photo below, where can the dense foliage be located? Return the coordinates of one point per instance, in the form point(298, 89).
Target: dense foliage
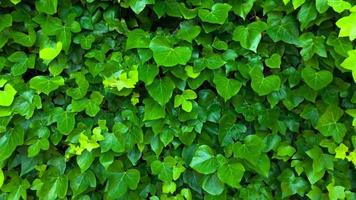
point(172, 99)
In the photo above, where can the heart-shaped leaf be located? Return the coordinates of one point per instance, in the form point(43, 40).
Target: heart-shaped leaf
point(316, 80)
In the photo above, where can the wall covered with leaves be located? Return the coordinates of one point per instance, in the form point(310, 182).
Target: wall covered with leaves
point(181, 100)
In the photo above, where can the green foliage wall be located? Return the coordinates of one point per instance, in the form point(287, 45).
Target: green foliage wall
point(181, 100)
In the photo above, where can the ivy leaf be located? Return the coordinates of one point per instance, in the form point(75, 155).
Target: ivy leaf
point(161, 90)
point(274, 61)
point(119, 183)
point(328, 123)
point(22, 62)
point(45, 84)
point(231, 173)
point(66, 122)
point(188, 31)
point(166, 55)
point(316, 80)
point(153, 110)
point(339, 5)
point(54, 185)
point(7, 95)
point(282, 28)
point(138, 5)
point(350, 63)
point(307, 14)
point(5, 21)
point(50, 53)
point(137, 38)
point(216, 15)
point(264, 85)
point(312, 45)
point(47, 6)
point(9, 141)
point(347, 27)
point(212, 185)
point(204, 160)
point(242, 7)
point(226, 88)
point(249, 36)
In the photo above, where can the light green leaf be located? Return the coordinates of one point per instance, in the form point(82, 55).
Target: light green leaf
point(339, 5)
point(350, 63)
point(50, 53)
point(7, 95)
point(347, 26)
point(216, 15)
point(316, 80)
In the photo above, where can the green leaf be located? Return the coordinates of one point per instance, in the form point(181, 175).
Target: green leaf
point(85, 160)
point(204, 160)
point(188, 31)
point(264, 85)
point(5, 21)
point(147, 73)
point(316, 80)
point(350, 62)
point(339, 5)
point(7, 95)
point(321, 5)
point(66, 122)
point(212, 185)
point(274, 61)
point(9, 141)
point(282, 28)
point(47, 6)
point(242, 7)
point(119, 183)
point(216, 15)
point(138, 5)
point(153, 110)
point(328, 123)
point(249, 36)
point(54, 185)
point(231, 173)
point(137, 38)
point(168, 56)
point(307, 14)
point(50, 53)
point(161, 90)
point(312, 45)
point(226, 88)
point(335, 192)
point(45, 84)
point(347, 27)
point(22, 62)
point(1, 178)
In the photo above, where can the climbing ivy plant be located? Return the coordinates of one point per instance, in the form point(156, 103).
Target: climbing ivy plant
point(178, 99)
